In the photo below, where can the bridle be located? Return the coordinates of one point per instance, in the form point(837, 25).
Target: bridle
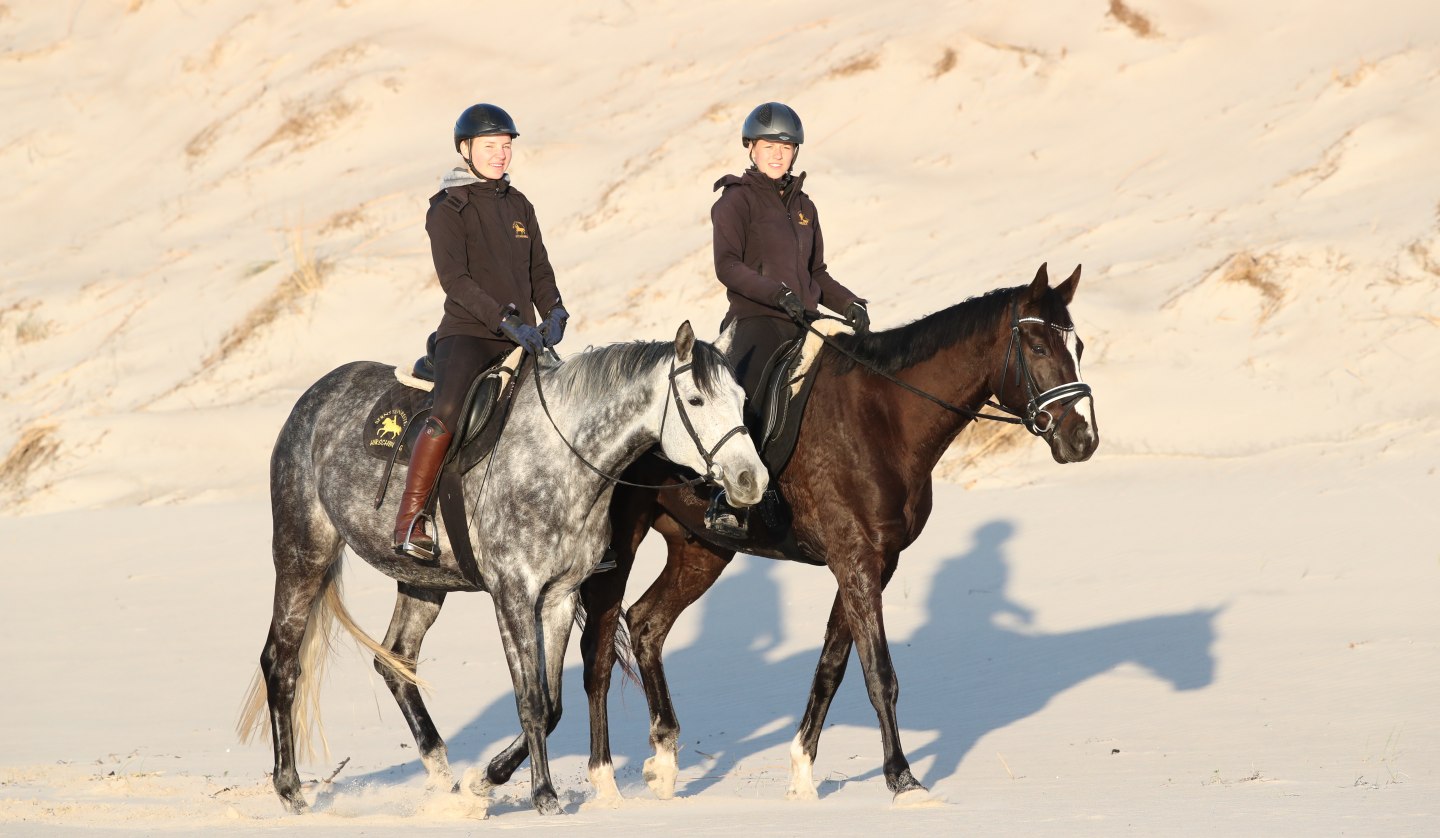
point(672, 391)
point(1038, 401)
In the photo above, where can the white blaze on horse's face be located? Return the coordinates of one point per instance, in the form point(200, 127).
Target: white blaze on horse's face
point(714, 413)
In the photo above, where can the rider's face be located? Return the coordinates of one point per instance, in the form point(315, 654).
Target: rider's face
point(774, 159)
point(491, 155)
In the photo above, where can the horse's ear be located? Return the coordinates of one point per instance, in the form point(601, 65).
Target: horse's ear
point(684, 343)
point(1041, 282)
point(1066, 289)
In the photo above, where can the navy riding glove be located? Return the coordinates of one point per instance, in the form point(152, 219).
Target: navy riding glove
point(858, 317)
point(526, 336)
point(791, 305)
point(553, 329)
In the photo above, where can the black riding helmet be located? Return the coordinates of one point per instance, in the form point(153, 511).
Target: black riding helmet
point(482, 120)
point(775, 122)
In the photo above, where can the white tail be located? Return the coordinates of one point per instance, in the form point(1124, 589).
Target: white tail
point(326, 610)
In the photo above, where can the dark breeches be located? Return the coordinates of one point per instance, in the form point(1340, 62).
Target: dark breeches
point(458, 360)
point(756, 340)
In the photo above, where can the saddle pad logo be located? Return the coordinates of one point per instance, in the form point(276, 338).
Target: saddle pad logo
point(519, 230)
point(804, 222)
point(388, 427)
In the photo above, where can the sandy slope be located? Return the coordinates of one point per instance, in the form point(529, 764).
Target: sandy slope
point(209, 205)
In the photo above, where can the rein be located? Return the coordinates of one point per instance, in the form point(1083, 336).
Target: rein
point(707, 455)
point(1034, 408)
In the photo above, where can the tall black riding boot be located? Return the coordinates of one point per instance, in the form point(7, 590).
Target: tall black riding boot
point(411, 539)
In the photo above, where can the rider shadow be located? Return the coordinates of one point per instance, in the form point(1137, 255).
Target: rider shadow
point(966, 671)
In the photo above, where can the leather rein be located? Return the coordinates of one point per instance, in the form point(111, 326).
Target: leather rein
point(708, 455)
point(1038, 402)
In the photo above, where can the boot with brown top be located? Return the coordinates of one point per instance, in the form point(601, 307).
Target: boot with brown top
point(411, 538)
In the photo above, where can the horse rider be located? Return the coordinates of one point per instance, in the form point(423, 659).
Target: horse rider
point(492, 264)
point(770, 255)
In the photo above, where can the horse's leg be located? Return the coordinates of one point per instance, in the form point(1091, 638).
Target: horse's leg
point(861, 585)
point(691, 567)
point(519, 619)
point(304, 552)
point(829, 672)
point(631, 513)
point(415, 612)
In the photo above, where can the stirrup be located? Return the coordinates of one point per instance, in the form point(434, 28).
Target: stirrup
point(725, 520)
point(607, 561)
point(416, 551)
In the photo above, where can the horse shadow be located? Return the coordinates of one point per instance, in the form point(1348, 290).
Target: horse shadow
point(973, 646)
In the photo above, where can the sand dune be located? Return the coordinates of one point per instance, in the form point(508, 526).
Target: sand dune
point(208, 206)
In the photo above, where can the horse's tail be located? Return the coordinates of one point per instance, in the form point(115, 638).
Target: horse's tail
point(624, 652)
point(327, 609)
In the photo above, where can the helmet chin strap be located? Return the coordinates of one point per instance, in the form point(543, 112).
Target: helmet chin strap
point(469, 148)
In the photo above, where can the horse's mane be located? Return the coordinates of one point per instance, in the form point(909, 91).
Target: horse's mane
point(896, 349)
point(594, 372)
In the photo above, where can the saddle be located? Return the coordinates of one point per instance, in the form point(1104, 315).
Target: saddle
point(398, 414)
point(783, 394)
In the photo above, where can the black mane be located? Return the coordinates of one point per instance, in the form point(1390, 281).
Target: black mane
point(903, 347)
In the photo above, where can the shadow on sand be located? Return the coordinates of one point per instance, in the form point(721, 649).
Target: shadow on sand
point(990, 673)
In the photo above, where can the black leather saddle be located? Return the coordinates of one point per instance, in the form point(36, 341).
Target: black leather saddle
point(396, 418)
point(783, 393)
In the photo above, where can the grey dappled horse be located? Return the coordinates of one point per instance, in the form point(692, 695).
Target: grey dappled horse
point(538, 523)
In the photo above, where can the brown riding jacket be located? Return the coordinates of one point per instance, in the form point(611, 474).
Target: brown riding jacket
point(764, 241)
point(489, 256)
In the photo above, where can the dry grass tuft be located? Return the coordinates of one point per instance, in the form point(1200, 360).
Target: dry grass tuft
point(859, 64)
point(979, 441)
point(341, 56)
point(945, 64)
point(32, 329)
point(1256, 272)
point(36, 444)
point(307, 122)
point(343, 220)
point(1138, 23)
point(305, 280)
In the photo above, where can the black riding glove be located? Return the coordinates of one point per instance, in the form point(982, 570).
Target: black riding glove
point(858, 317)
point(790, 304)
point(526, 336)
point(553, 329)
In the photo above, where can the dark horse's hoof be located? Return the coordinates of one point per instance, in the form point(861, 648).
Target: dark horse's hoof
point(547, 804)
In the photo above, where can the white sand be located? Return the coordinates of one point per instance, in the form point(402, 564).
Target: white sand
point(1225, 623)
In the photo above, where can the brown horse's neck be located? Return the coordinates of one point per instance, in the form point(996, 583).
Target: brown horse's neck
point(955, 355)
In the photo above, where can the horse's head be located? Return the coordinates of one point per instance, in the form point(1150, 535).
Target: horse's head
point(704, 425)
point(1040, 376)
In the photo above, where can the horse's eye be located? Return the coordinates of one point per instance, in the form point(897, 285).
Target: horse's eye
point(695, 401)
point(1038, 349)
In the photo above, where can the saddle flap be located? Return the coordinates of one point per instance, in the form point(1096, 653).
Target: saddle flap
point(785, 386)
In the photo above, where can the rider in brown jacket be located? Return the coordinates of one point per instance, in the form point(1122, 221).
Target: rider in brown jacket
point(769, 252)
point(492, 263)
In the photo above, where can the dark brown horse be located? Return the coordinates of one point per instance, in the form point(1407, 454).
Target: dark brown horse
point(856, 492)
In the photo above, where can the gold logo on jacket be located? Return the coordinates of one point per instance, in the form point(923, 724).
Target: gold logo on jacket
point(804, 222)
point(519, 230)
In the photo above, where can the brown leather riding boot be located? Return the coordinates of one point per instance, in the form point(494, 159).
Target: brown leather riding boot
point(411, 539)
